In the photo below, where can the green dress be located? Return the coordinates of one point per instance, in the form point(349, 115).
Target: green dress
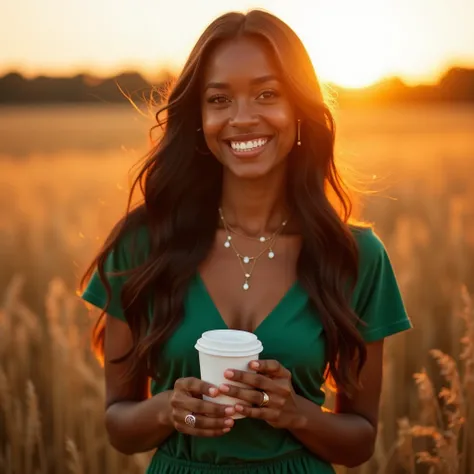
point(291, 334)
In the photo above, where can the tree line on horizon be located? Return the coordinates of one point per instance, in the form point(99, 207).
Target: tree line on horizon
point(456, 85)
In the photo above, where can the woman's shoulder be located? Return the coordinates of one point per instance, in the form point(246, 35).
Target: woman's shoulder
point(139, 234)
point(132, 246)
point(369, 244)
point(377, 298)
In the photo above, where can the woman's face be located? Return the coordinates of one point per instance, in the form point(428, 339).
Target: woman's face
point(247, 119)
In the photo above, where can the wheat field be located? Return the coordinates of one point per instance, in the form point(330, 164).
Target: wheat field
point(63, 182)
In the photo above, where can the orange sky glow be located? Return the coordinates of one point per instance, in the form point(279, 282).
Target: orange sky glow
point(352, 43)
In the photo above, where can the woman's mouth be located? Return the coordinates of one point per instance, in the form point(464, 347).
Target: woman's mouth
point(249, 148)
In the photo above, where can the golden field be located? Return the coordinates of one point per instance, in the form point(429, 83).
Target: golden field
point(63, 183)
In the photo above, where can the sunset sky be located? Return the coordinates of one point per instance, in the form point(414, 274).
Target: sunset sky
point(352, 42)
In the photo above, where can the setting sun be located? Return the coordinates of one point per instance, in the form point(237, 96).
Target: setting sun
point(349, 46)
point(350, 70)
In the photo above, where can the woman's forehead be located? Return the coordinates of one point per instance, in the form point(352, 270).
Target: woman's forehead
point(242, 59)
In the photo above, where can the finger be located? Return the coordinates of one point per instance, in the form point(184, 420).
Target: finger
point(259, 381)
point(253, 397)
point(185, 402)
point(185, 429)
point(196, 386)
point(267, 413)
point(272, 367)
point(202, 422)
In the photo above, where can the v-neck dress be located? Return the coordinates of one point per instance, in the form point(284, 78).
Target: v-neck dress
point(291, 333)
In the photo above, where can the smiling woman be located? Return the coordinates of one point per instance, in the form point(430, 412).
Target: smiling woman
point(237, 231)
point(247, 116)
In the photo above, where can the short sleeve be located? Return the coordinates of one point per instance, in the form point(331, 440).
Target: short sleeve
point(118, 260)
point(377, 299)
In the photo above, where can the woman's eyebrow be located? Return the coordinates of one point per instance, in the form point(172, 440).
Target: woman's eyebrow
point(254, 81)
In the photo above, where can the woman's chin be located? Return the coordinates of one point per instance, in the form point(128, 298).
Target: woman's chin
point(249, 171)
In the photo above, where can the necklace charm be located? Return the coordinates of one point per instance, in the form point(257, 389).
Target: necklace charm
point(245, 259)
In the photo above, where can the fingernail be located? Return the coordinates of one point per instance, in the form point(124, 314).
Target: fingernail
point(229, 422)
point(224, 388)
point(239, 407)
point(226, 430)
point(255, 365)
point(213, 392)
point(229, 374)
point(229, 411)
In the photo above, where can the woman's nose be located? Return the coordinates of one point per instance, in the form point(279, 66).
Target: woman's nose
point(243, 115)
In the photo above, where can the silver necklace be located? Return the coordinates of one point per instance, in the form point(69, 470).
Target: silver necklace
point(247, 259)
point(262, 239)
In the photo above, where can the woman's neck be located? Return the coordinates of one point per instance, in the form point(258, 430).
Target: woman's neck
point(257, 206)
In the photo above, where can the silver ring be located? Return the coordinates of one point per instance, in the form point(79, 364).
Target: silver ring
point(190, 420)
point(266, 399)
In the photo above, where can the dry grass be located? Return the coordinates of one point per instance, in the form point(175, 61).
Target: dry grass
point(51, 391)
point(57, 204)
point(440, 438)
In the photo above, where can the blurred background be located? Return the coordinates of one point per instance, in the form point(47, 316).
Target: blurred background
point(400, 75)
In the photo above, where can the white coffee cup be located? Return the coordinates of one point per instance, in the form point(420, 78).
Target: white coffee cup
point(223, 349)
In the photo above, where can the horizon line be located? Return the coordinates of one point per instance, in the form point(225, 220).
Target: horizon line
point(168, 70)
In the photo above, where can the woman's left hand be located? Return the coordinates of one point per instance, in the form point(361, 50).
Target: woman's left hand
point(280, 409)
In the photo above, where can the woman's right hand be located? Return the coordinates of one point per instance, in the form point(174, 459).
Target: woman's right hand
point(212, 419)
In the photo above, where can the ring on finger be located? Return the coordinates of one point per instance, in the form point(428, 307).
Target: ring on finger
point(265, 399)
point(190, 420)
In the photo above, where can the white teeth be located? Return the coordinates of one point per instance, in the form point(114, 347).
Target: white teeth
point(249, 145)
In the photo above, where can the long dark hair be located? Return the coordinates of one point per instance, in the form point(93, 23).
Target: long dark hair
point(181, 189)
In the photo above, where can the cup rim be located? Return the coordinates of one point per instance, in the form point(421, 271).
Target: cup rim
point(248, 345)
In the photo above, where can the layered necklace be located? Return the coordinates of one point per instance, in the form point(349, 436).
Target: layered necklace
point(247, 262)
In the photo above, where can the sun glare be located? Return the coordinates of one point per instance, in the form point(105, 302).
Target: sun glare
point(348, 46)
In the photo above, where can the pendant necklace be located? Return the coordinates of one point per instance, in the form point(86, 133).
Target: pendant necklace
point(247, 262)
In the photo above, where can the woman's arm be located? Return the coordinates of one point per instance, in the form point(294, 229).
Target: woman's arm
point(135, 427)
point(134, 422)
point(345, 437)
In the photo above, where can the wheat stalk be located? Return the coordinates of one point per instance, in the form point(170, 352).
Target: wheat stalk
point(430, 410)
point(467, 358)
point(445, 440)
point(5, 403)
point(404, 445)
point(89, 437)
point(16, 440)
point(75, 464)
point(32, 422)
point(5, 333)
point(12, 293)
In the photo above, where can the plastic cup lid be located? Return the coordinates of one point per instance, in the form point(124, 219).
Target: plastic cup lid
point(229, 343)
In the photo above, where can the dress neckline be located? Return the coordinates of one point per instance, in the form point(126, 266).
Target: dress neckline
point(287, 304)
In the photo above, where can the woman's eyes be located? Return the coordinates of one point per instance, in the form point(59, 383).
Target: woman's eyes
point(222, 99)
point(268, 94)
point(217, 99)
